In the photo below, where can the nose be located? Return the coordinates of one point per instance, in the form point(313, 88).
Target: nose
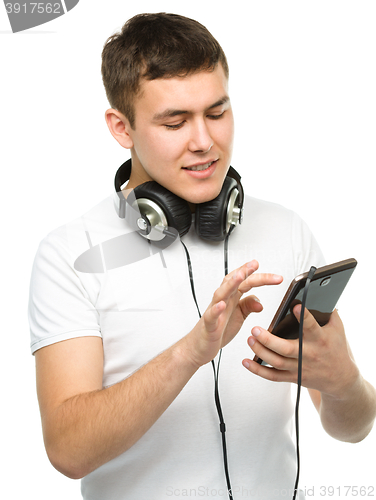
point(200, 140)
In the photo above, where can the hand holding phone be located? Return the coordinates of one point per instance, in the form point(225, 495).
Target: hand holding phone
point(325, 289)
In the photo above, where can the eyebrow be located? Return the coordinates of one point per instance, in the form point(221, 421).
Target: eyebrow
point(170, 112)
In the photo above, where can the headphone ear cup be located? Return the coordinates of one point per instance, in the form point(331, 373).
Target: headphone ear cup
point(175, 209)
point(211, 217)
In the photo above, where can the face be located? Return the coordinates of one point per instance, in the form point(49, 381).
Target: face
point(183, 134)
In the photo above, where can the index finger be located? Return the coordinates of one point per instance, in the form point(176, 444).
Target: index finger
point(259, 279)
point(286, 348)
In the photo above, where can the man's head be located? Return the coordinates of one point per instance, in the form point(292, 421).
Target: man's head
point(167, 82)
point(152, 46)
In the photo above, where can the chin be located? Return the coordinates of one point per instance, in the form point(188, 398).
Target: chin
point(197, 198)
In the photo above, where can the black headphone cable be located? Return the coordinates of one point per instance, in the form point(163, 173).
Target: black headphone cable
point(300, 366)
point(222, 425)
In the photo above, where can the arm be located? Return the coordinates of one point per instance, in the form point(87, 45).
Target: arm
point(85, 426)
point(345, 401)
point(348, 411)
point(351, 417)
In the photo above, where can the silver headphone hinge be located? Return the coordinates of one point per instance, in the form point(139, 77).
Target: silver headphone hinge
point(234, 212)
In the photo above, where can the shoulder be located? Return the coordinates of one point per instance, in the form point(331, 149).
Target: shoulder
point(270, 228)
point(261, 209)
point(62, 300)
point(79, 234)
point(263, 216)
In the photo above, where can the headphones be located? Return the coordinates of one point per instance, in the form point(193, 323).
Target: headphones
point(161, 216)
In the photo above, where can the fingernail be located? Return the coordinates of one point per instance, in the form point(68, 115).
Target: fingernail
point(246, 364)
point(256, 332)
point(251, 341)
point(277, 277)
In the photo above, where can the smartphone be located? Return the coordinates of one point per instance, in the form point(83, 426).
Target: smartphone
point(324, 291)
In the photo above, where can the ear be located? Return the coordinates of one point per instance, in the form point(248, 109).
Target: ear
point(119, 127)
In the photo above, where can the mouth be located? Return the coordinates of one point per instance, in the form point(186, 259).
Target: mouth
point(199, 168)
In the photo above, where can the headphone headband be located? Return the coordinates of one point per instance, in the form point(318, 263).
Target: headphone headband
point(236, 176)
point(122, 175)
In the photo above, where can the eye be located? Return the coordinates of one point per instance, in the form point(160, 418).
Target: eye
point(175, 127)
point(216, 117)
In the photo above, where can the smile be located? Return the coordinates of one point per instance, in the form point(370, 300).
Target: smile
point(198, 168)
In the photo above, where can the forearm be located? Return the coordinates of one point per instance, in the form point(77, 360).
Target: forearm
point(90, 429)
point(349, 417)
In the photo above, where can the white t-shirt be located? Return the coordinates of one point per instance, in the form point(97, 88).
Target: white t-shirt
point(95, 277)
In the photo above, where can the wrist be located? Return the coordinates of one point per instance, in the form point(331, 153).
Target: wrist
point(186, 355)
point(347, 386)
point(349, 414)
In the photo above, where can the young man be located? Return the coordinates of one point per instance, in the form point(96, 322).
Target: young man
point(124, 379)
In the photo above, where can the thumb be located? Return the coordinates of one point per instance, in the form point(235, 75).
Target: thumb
point(249, 305)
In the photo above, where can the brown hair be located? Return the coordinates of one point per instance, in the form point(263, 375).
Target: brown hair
point(154, 46)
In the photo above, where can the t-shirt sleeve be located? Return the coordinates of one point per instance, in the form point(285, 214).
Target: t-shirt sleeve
point(60, 307)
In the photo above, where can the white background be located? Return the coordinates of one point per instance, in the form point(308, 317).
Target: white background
point(302, 82)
